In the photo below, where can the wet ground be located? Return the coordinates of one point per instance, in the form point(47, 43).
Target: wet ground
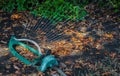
point(88, 47)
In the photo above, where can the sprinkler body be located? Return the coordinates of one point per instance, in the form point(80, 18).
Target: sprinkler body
point(44, 61)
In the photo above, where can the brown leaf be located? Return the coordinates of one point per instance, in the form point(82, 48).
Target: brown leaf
point(106, 73)
point(15, 16)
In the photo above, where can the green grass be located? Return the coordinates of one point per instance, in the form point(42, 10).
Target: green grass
point(65, 9)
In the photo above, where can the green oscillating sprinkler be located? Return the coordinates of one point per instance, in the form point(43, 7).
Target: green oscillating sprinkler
point(43, 61)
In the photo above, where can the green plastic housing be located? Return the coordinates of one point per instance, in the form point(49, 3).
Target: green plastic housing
point(13, 42)
point(47, 61)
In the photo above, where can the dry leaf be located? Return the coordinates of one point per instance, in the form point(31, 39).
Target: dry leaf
point(15, 16)
point(106, 73)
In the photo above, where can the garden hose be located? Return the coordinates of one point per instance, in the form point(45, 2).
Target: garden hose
point(59, 71)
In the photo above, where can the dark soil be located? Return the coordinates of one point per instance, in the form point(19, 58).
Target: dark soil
point(88, 47)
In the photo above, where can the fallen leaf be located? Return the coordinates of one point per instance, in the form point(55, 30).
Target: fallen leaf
point(106, 73)
point(15, 16)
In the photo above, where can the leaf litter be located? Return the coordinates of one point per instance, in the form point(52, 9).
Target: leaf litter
point(92, 47)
